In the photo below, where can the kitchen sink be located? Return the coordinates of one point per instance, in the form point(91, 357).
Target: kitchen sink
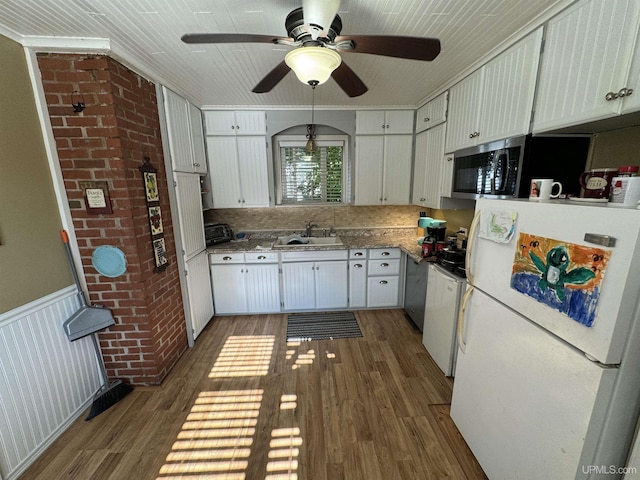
point(295, 241)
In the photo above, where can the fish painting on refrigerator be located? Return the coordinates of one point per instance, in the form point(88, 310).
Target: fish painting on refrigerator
point(565, 276)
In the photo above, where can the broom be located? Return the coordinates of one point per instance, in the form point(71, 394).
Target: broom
point(111, 392)
point(89, 320)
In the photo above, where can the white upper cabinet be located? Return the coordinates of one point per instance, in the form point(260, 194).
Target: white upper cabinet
point(590, 62)
point(427, 173)
point(509, 90)
point(185, 135)
point(197, 139)
point(465, 99)
point(384, 122)
point(239, 172)
point(432, 113)
point(189, 213)
point(383, 169)
point(235, 123)
point(496, 100)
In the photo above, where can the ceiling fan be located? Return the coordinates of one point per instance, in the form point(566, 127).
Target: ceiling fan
point(315, 30)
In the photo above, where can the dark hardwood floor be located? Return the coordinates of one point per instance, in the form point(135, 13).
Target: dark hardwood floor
point(244, 404)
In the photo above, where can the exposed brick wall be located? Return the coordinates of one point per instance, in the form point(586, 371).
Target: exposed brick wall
point(107, 142)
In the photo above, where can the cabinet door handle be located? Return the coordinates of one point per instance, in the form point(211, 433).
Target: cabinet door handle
point(233, 127)
point(383, 282)
point(625, 92)
point(385, 254)
point(449, 159)
point(610, 96)
point(261, 257)
point(384, 264)
point(226, 259)
point(357, 265)
point(357, 254)
point(426, 119)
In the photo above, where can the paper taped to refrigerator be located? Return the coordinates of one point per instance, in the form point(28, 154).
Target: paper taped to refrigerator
point(497, 225)
point(565, 276)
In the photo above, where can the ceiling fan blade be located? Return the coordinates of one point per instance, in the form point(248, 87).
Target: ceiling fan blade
point(413, 48)
point(272, 78)
point(231, 38)
point(348, 80)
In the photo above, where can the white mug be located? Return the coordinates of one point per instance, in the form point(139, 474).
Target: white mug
point(541, 189)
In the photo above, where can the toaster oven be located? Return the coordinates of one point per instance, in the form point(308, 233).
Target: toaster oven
point(217, 233)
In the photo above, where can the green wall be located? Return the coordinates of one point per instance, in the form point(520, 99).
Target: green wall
point(32, 259)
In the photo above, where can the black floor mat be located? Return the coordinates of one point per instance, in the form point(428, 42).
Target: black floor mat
point(320, 326)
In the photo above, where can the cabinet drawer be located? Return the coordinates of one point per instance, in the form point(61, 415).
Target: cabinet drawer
point(224, 258)
point(261, 257)
point(384, 253)
point(384, 267)
point(360, 254)
point(382, 291)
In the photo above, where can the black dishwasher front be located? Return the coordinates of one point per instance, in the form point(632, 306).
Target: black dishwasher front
point(415, 291)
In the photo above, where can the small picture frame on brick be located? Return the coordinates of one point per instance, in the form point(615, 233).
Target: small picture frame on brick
point(96, 197)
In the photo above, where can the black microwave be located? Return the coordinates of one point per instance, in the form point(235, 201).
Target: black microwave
point(504, 168)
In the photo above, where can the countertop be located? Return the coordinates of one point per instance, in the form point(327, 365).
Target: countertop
point(407, 242)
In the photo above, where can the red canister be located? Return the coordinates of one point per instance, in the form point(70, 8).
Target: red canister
point(428, 246)
point(440, 244)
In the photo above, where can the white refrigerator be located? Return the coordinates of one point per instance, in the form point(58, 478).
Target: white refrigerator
point(548, 369)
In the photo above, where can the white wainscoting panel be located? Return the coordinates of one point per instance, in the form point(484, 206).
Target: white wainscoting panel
point(46, 381)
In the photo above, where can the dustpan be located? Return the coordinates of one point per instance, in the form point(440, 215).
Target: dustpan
point(88, 319)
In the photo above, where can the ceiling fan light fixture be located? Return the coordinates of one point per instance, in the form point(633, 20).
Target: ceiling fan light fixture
point(313, 64)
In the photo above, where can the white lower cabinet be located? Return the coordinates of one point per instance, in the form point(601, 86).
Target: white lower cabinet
point(358, 278)
point(315, 280)
point(383, 277)
point(269, 282)
point(199, 287)
point(245, 285)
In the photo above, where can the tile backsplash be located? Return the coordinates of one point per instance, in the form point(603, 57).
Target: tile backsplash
point(294, 218)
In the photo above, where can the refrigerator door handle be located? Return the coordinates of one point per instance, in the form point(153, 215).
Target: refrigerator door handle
point(470, 244)
point(460, 330)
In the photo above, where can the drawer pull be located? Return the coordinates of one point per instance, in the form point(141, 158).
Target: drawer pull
point(384, 264)
point(357, 254)
point(261, 257)
point(383, 282)
point(385, 254)
point(226, 258)
point(357, 265)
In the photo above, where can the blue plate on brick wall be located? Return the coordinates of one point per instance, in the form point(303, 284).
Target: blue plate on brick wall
point(109, 261)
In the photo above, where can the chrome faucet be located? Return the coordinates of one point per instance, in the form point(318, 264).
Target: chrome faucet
point(308, 228)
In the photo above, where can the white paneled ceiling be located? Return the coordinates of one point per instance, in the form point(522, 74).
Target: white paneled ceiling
point(145, 35)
